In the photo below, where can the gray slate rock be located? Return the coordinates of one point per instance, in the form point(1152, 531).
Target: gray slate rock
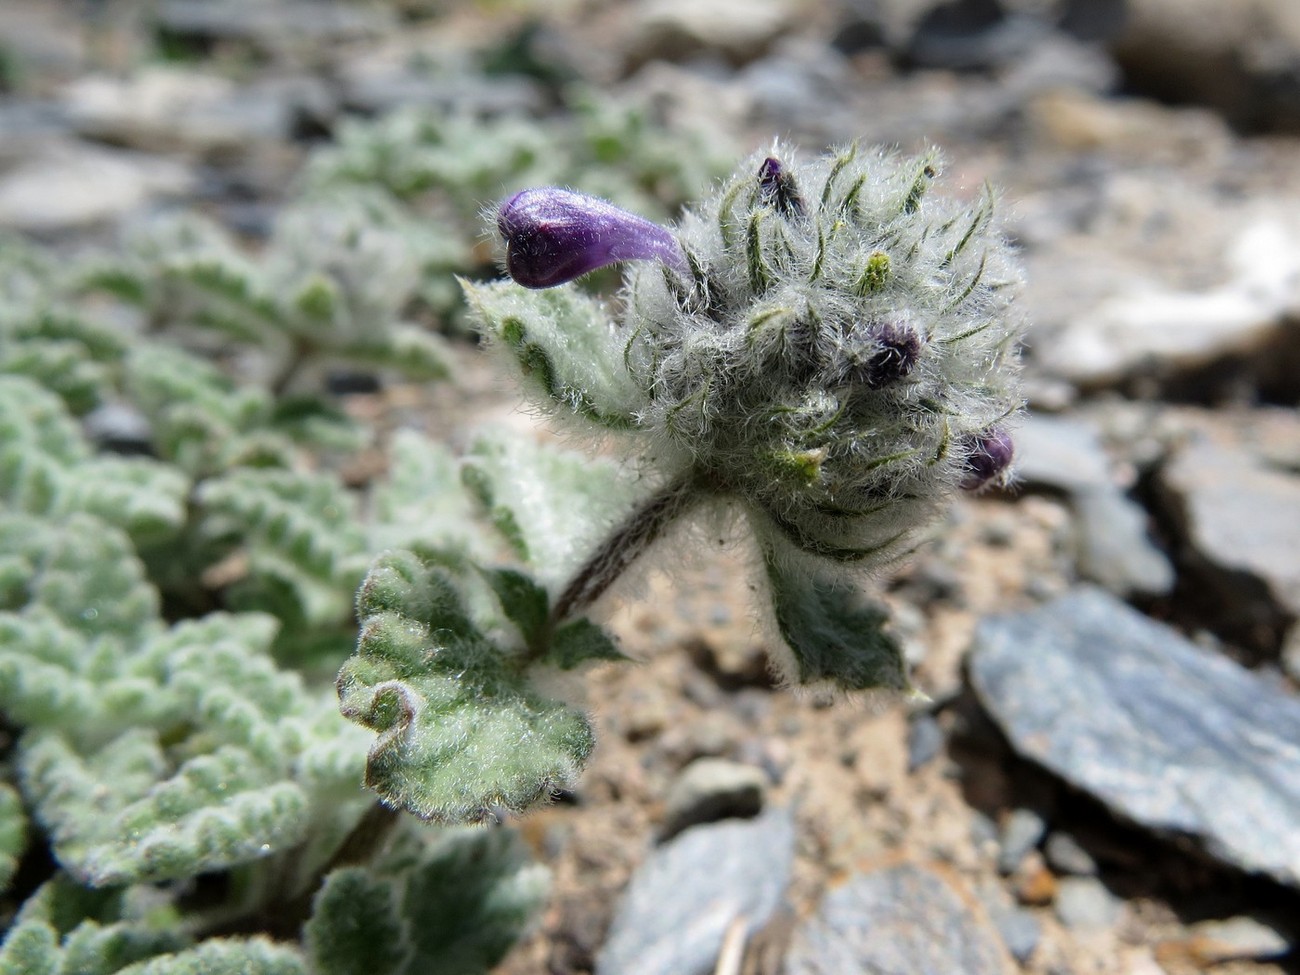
point(1113, 547)
point(1175, 738)
point(902, 921)
point(682, 900)
point(1241, 517)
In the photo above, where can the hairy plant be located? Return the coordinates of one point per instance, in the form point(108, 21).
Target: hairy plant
point(827, 350)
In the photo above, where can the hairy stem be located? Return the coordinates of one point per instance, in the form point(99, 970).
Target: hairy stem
point(624, 545)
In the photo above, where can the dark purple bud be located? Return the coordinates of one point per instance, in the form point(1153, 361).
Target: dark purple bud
point(553, 236)
point(988, 457)
point(897, 347)
point(776, 186)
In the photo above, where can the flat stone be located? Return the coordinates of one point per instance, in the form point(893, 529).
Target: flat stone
point(737, 29)
point(905, 919)
point(273, 23)
point(1240, 515)
point(1237, 938)
point(1161, 329)
point(71, 186)
point(165, 109)
point(710, 789)
point(1065, 855)
point(1170, 736)
point(1113, 547)
point(688, 893)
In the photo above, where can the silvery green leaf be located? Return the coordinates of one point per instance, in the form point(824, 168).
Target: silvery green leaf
point(46, 468)
point(212, 770)
point(423, 506)
point(460, 728)
point(522, 599)
point(80, 570)
point(835, 634)
point(414, 351)
point(566, 346)
point(553, 506)
point(30, 949)
point(225, 956)
point(297, 530)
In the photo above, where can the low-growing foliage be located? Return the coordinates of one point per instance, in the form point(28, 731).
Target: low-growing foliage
point(823, 353)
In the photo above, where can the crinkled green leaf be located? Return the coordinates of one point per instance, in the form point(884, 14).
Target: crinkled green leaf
point(460, 729)
point(296, 529)
point(30, 949)
point(415, 351)
point(355, 927)
point(117, 816)
point(201, 421)
point(47, 468)
point(565, 344)
point(553, 506)
point(219, 767)
point(836, 635)
point(13, 833)
point(82, 571)
point(66, 928)
point(225, 956)
point(66, 353)
point(455, 908)
point(422, 505)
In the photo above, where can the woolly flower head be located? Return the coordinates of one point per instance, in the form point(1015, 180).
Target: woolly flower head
point(829, 343)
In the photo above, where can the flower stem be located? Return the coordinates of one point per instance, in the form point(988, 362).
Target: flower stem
point(624, 545)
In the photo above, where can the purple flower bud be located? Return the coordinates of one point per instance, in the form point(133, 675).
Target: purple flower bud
point(553, 236)
point(989, 454)
point(897, 349)
point(777, 187)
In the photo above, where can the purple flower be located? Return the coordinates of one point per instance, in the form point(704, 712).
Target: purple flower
point(778, 188)
point(988, 457)
point(553, 236)
point(897, 349)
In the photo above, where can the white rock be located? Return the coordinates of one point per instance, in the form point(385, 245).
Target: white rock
point(1184, 329)
point(78, 186)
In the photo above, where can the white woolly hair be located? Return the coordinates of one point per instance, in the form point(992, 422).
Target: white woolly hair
point(753, 370)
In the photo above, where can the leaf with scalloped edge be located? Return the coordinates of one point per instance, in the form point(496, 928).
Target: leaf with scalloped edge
point(47, 468)
point(79, 569)
point(460, 728)
point(299, 530)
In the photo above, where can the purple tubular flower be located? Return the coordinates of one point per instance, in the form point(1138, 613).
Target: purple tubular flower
point(988, 458)
point(553, 236)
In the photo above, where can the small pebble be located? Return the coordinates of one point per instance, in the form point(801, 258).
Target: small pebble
point(925, 740)
point(1020, 833)
point(1085, 904)
point(1066, 856)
